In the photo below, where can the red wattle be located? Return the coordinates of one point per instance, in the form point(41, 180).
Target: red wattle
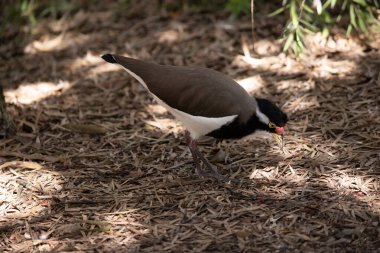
point(280, 130)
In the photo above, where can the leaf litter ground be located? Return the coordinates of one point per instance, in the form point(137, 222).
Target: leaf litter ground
point(97, 166)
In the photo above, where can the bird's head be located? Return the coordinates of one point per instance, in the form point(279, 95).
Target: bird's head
point(270, 116)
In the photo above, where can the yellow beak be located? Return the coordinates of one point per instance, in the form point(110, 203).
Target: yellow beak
point(280, 140)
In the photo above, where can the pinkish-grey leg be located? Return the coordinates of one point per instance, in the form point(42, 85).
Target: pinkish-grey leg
point(192, 144)
point(198, 157)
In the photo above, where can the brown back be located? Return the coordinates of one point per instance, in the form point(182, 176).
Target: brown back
point(197, 91)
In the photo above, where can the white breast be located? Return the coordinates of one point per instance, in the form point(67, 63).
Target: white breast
point(198, 126)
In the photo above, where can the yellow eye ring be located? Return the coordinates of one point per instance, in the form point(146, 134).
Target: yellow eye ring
point(271, 125)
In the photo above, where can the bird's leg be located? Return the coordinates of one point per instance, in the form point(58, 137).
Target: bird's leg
point(198, 155)
point(213, 171)
point(193, 146)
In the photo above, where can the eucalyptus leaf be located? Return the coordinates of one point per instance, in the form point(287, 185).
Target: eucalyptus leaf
point(353, 16)
point(361, 2)
point(349, 30)
point(278, 11)
point(296, 50)
point(361, 22)
point(308, 9)
point(288, 42)
point(325, 32)
point(293, 13)
point(309, 26)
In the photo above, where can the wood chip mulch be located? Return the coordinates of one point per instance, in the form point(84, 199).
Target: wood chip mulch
point(97, 166)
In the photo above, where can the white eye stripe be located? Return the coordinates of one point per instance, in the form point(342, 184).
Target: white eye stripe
point(262, 117)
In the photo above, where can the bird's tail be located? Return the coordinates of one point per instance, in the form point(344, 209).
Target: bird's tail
point(109, 58)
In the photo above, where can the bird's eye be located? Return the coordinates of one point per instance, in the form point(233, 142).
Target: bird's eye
point(272, 125)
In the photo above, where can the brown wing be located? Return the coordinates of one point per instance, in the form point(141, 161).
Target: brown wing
point(197, 91)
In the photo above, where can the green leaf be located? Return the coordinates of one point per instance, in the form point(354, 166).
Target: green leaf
point(278, 11)
point(309, 26)
point(293, 13)
point(296, 50)
point(299, 42)
point(325, 32)
point(338, 18)
point(299, 33)
point(349, 30)
point(361, 22)
point(325, 6)
point(288, 42)
point(361, 2)
point(238, 7)
point(344, 5)
point(327, 18)
point(300, 45)
point(308, 9)
point(353, 16)
point(333, 3)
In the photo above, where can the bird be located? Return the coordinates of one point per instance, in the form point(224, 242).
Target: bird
point(207, 102)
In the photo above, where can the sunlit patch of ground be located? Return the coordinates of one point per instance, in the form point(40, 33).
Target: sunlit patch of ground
point(30, 93)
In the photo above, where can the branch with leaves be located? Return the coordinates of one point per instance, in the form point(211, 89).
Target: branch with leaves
point(311, 16)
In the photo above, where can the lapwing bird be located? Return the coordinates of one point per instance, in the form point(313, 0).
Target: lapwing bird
point(207, 102)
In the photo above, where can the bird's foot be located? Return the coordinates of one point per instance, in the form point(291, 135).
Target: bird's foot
point(214, 173)
point(199, 158)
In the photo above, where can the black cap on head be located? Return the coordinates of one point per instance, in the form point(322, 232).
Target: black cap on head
point(273, 112)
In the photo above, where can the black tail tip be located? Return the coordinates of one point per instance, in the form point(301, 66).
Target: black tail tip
point(109, 58)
